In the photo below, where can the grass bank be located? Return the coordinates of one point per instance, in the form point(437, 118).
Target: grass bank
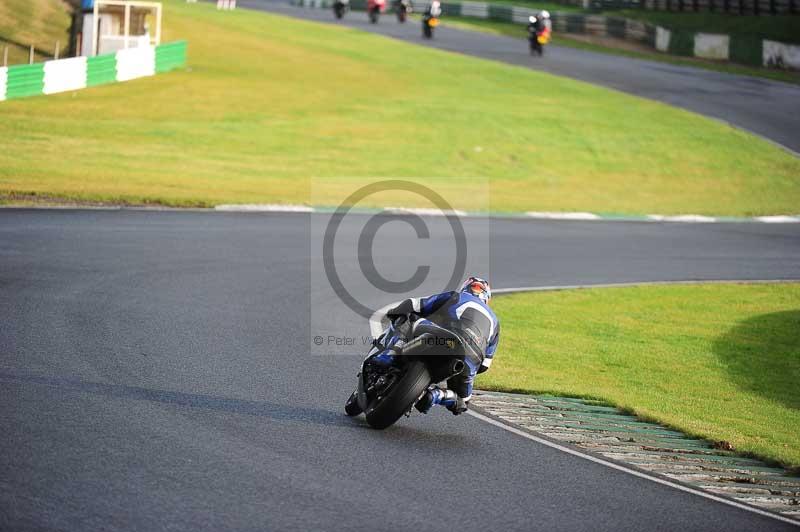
point(33, 22)
point(268, 102)
point(717, 361)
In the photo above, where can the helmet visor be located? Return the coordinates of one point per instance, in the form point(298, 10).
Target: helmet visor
point(478, 288)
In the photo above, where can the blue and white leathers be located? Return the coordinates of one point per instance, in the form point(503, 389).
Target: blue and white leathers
point(462, 313)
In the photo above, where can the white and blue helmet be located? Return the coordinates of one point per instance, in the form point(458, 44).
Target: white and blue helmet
point(478, 287)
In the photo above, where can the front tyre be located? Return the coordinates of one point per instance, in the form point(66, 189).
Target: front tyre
point(374, 13)
point(385, 411)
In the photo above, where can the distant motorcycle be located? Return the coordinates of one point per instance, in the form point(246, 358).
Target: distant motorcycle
point(431, 19)
point(538, 33)
point(402, 8)
point(340, 7)
point(374, 9)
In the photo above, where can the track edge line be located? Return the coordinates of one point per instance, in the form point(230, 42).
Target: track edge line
point(485, 417)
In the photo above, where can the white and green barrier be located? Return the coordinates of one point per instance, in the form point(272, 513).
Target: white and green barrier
point(76, 73)
point(739, 49)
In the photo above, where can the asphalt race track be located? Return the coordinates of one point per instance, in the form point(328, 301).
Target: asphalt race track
point(155, 375)
point(768, 108)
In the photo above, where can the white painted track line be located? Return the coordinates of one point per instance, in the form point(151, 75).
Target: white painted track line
point(630, 471)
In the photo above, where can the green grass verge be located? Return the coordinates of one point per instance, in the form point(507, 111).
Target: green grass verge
point(717, 361)
point(269, 102)
point(518, 30)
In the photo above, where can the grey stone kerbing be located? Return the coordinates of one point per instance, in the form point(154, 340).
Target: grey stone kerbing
point(601, 429)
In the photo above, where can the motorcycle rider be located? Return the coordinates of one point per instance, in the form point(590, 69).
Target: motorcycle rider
point(404, 5)
point(430, 18)
point(465, 312)
point(434, 9)
point(540, 23)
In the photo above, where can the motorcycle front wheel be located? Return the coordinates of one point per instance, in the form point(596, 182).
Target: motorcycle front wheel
point(386, 410)
point(351, 407)
point(427, 31)
point(374, 14)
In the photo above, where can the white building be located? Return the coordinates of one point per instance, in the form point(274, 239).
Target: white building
point(111, 25)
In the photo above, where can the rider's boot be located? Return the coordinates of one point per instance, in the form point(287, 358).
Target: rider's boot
point(436, 396)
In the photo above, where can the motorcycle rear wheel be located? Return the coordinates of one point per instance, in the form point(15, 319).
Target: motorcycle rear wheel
point(374, 14)
point(401, 397)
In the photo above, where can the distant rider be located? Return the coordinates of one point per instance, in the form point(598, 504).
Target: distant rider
point(465, 312)
point(434, 9)
point(539, 23)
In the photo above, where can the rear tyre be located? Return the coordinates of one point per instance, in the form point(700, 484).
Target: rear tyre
point(400, 398)
point(374, 14)
point(351, 407)
point(427, 31)
point(401, 15)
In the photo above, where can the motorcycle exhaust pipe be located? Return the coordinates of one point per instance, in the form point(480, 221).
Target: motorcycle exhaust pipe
point(456, 367)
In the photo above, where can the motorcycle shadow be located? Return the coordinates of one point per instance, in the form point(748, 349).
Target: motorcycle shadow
point(409, 433)
point(274, 411)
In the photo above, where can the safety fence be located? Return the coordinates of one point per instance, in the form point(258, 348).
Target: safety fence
point(730, 7)
point(746, 50)
point(743, 49)
point(76, 73)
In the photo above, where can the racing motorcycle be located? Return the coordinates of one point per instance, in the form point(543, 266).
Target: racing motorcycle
point(384, 393)
point(340, 7)
point(538, 35)
point(374, 9)
point(431, 19)
point(403, 8)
